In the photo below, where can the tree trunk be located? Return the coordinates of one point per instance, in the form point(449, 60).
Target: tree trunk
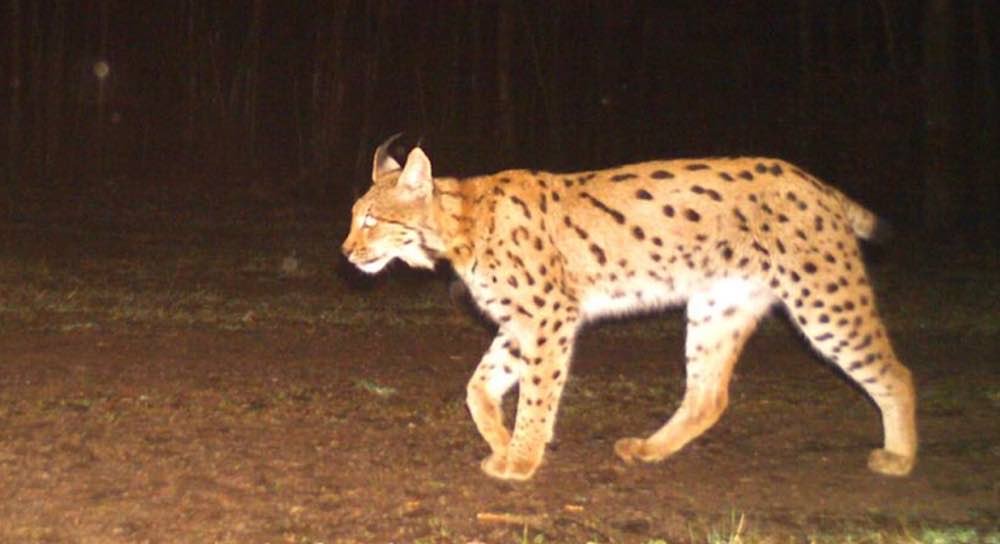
point(377, 13)
point(243, 91)
point(252, 81)
point(191, 87)
point(804, 98)
point(35, 136)
point(13, 155)
point(505, 102)
point(986, 193)
point(941, 185)
point(13, 161)
point(54, 129)
point(335, 129)
point(890, 37)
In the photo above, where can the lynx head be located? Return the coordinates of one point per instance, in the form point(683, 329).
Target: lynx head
point(394, 218)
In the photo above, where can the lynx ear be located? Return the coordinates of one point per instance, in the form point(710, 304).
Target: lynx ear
point(416, 177)
point(384, 163)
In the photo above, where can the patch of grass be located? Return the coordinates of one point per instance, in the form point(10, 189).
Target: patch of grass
point(957, 535)
point(381, 391)
point(236, 276)
point(230, 288)
point(946, 535)
point(737, 528)
point(730, 531)
point(927, 289)
point(539, 538)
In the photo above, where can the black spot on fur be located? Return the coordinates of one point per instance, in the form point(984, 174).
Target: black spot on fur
point(598, 254)
point(756, 245)
point(618, 216)
point(524, 207)
point(623, 177)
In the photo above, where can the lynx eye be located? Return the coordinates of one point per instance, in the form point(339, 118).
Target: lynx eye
point(368, 221)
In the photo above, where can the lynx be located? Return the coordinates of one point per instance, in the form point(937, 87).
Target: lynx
point(541, 253)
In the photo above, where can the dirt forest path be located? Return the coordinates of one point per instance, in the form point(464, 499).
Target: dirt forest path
point(355, 435)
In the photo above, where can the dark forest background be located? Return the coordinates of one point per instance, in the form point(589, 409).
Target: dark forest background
point(895, 101)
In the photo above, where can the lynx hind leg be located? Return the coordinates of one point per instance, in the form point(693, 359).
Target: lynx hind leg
point(720, 320)
point(848, 331)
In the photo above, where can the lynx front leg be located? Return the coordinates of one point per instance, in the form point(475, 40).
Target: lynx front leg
point(540, 387)
point(496, 374)
point(540, 363)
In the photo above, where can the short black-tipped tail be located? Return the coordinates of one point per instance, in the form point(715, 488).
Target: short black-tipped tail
point(864, 223)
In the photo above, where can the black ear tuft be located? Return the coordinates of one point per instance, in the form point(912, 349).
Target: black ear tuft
point(384, 162)
point(387, 148)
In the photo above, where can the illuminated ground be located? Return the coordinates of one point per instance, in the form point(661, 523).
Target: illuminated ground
point(186, 385)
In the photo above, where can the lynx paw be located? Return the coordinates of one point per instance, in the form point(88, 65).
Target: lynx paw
point(631, 450)
point(628, 449)
point(890, 464)
point(503, 467)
